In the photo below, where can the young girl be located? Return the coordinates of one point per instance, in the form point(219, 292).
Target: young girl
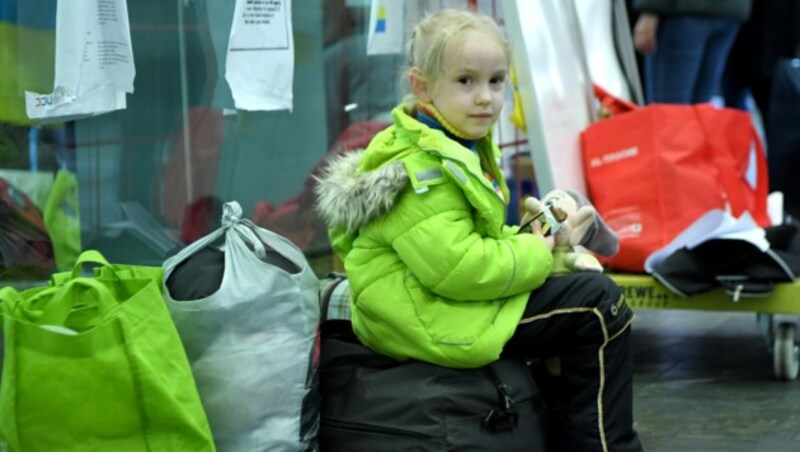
point(435, 275)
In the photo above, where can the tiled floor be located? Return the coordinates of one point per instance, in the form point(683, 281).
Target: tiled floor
point(704, 382)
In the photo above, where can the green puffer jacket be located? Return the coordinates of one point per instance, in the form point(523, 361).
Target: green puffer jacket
point(434, 273)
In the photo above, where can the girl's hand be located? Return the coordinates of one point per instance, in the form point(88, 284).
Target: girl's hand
point(644, 33)
point(549, 241)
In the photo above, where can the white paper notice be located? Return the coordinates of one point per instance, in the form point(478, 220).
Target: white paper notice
point(260, 64)
point(94, 61)
point(385, 27)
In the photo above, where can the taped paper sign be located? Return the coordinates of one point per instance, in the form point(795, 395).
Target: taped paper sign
point(94, 61)
point(385, 27)
point(259, 66)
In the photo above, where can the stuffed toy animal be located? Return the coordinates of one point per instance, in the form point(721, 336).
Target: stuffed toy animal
point(573, 221)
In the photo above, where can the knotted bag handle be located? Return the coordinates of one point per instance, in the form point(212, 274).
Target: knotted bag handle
point(247, 231)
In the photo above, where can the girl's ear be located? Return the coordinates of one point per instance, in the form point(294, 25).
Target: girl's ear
point(419, 86)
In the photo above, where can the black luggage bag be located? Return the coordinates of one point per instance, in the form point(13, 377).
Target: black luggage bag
point(371, 402)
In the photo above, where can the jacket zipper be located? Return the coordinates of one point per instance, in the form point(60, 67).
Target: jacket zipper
point(367, 428)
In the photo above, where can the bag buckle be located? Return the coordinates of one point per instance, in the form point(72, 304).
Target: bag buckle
point(500, 419)
point(505, 416)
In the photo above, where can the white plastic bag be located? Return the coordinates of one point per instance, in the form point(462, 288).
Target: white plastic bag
point(251, 344)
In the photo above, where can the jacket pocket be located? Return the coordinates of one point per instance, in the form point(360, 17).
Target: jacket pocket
point(450, 322)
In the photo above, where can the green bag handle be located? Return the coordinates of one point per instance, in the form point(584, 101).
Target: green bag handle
point(86, 257)
point(106, 271)
point(10, 298)
point(54, 305)
point(61, 215)
point(89, 257)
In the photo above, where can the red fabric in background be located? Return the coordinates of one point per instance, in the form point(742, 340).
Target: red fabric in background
point(26, 251)
point(205, 146)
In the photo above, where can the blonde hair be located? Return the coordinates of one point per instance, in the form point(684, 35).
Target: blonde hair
point(435, 34)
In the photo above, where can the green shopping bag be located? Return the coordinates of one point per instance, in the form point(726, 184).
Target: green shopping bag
point(95, 363)
point(62, 219)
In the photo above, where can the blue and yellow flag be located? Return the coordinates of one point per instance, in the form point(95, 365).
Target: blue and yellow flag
point(386, 27)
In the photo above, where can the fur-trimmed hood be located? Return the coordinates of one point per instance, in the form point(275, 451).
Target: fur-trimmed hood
point(349, 198)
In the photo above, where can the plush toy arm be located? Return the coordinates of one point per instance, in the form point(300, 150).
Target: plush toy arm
point(590, 231)
point(583, 221)
point(583, 262)
point(566, 261)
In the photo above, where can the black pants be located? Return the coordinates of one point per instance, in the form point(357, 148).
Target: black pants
point(583, 319)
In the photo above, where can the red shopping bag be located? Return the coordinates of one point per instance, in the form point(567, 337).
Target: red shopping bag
point(653, 171)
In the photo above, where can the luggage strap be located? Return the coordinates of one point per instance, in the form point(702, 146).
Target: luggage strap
point(328, 292)
point(504, 416)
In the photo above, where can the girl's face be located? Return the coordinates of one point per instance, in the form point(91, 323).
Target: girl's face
point(469, 94)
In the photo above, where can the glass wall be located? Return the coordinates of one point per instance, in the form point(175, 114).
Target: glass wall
point(140, 182)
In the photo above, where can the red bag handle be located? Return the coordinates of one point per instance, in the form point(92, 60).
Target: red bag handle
point(761, 191)
point(731, 181)
point(612, 104)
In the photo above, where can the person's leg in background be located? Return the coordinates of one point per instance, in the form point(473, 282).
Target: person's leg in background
point(770, 34)
point(583, 319)
point(673, 73)
point(738, 73)
point(717, 45)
